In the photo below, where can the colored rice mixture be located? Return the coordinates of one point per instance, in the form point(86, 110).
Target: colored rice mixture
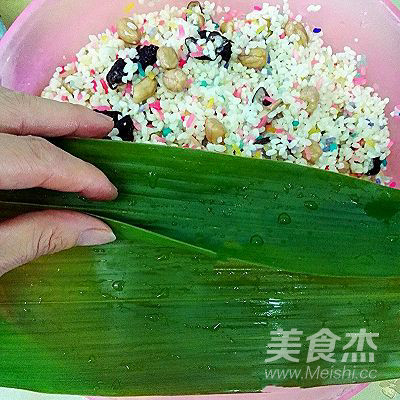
point(261, 85)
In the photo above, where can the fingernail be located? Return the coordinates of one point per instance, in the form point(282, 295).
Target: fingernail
point(94, 237)
point(114, 192)
point(103, 118)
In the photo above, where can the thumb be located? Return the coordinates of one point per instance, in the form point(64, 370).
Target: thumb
point(29, 236)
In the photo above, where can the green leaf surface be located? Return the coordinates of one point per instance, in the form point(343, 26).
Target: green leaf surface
point(247, 247)
point(149, 315)
point(282, 215)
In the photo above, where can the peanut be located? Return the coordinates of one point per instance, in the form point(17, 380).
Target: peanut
point(311, 96)
point(196, 19)
point(294, 27)
point(201, 21)
point(197, 12)
point(227, 27)
point(314, 152)
point(175, 80)
point(167, 57)
point(257, 58)
point(144, 89)
point(346, 168)
point(192, 6)
point(194, 143)
point(214, 130)
point(128, 31)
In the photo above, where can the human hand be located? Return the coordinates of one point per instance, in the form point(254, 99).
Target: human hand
point(30, 161)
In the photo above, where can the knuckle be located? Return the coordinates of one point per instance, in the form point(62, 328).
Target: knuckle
point(12, 107)
point(40, 150)
point(48, 241)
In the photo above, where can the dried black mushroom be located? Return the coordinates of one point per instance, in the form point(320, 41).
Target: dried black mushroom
point(124, 125)
point(116, 73)
point(222, 45)
point(125, 128)
point(203, 34)
point(266, 102)
point(261, 97)
point(376, 167)
point(263, 140)
point(225, 49)
point(147, 55)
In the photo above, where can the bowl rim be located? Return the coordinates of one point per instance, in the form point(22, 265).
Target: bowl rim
point(7, 39)
point(20, 20)
point(36, 4)
point(392, 5)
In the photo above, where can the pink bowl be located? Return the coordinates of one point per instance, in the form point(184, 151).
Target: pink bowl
point(49, 33)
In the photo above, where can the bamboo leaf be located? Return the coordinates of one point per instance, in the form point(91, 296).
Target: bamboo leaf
point(149, 315)
point(282, 215)
point(247, 247)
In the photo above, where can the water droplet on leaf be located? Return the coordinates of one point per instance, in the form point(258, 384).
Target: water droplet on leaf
point(118, 285)
point(311, 205)
point(284, 219)
point(354, 199)
point(153, 179)
point(257, 240)
point(216, 326)
point(84, 199)
point(163, 294)
point(98, 250)
point(393, 238)
point(287, 187)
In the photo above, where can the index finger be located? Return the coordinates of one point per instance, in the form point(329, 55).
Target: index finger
point(22, 114)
